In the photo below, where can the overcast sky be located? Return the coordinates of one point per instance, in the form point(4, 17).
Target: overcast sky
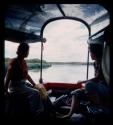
point(66, 41)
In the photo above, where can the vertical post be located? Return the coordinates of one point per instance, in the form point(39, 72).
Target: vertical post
point(43, 40)
point(87, 65)
point(88, 54)
point(41, 80)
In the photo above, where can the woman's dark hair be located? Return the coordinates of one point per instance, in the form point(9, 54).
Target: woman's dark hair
point(22, 48)
point(96, 49)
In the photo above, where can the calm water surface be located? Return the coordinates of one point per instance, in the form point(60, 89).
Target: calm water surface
point(63, 73)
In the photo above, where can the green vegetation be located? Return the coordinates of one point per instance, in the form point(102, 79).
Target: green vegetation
point(32, 63)
point(35, 61)
point(37, 65)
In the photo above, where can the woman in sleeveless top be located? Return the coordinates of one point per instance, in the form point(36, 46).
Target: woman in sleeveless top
point(15, 80)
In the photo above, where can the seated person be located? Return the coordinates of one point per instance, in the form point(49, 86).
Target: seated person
point(16, 76)
point(96, 90)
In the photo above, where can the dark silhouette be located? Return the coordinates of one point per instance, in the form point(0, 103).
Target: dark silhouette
point(96, 90)
point(15, 80)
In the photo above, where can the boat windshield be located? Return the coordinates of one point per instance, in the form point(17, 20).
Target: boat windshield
point(66, 50)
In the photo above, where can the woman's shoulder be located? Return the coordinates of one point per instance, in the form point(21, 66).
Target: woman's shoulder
point(24, 62)
point(12, 61)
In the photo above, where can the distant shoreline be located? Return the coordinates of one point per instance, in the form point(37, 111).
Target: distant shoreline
point(37, 61)
point(70, 63)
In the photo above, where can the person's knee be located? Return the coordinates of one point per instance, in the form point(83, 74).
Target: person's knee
point(35, 93)
point(91, 87)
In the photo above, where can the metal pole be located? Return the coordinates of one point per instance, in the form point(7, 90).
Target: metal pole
point(41, 80)
point(87, 65)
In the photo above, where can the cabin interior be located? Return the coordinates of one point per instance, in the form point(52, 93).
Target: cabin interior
point(27, 23)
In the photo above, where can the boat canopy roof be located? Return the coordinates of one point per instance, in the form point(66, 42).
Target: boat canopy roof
point(24, 22)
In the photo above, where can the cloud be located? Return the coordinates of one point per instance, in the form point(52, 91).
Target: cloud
point(11, 48)
point(66, 41)
point(73, 10)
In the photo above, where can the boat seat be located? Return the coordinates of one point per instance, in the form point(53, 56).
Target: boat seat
point(78, 119)
point(16, 105)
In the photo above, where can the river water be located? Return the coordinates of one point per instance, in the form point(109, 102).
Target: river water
point(63, 73)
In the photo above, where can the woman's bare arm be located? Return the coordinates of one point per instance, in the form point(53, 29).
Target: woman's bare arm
point(73, 107)
point(7, 80)
point(30, 80)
